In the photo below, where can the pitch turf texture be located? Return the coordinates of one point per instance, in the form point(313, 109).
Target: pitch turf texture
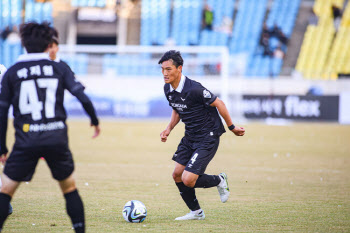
point(282, 178)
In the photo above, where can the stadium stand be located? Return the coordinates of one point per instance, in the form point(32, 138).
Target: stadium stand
point(124, 64)
point(12, 16)
point(242, 38)
point(247, 26)
point(282, 14)
point(323, 54)
point(186, 21)
point(338, 61)
point(38, 12)
point(88, 3)
point(223, 10)
point(155, 22)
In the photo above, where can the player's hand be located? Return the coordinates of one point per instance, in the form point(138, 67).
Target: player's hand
point(164, 135)
point(3, 158)
point(238, 131)
point(97, 131)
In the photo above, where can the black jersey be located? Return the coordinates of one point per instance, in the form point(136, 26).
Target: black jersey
point(35, 87)
point(192, 102)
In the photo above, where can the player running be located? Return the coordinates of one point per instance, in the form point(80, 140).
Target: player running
point(35, 87)
point(198, 109)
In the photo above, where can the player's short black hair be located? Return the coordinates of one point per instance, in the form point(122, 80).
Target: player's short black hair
point(54, 35)
point(36, 37)
point(173, 55)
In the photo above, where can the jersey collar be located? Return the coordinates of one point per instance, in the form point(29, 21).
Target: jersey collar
point(181, 84)
point(33, 57)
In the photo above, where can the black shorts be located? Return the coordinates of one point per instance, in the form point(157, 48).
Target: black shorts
point(21, 164)
point(196, 155)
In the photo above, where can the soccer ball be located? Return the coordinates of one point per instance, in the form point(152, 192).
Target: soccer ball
point(134, 211)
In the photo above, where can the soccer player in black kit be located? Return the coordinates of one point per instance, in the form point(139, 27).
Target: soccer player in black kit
point(35, 87)
point(198, 109)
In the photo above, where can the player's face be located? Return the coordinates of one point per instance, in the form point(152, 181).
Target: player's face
point(53, 51)
point(171, 74)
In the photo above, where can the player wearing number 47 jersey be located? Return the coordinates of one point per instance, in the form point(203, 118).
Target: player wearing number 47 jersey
point(35, 87)
point(198, 109)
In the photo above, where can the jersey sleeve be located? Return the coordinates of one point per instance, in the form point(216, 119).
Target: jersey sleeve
point(5, 101)
point(204, 96)
point(5, 91)
point(70, 82)
point(87, 105)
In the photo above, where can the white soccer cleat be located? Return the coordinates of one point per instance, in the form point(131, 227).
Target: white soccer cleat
point(223, 188)
point(192, 216)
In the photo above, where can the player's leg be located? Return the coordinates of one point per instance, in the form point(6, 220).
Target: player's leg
point(61, 164)
point(197, 165)
point(181, 158)
point(8, 188)
point(188, 194)
point(20, 166)
point(10, 206)
point(74, 204)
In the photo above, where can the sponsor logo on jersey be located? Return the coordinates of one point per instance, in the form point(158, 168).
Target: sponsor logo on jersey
point(182, 99)
point(175, 105)
point(170, 97)
point(26, 128)
point(43, 127)
point(206, 94)
point(179, 107)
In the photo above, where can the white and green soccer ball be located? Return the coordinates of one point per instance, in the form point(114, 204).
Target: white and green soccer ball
point(134, 211)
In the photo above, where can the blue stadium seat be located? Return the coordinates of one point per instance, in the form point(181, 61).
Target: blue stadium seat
point(282, 13)
point(186, 21)
point(248, 24)
point(16, 11)
point(47, 12)
point(37, 15)
point(6, 13)
point(155, 22)
point(29, 11)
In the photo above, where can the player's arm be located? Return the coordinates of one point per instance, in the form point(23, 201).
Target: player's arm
point(175, 118)
point(89, 109)
point(77, 89)
point(4, 107)
point(3, 130)
point(220, 105)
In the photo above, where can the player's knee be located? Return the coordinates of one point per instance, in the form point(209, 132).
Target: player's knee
point(7, 190)
point(189, 182)
point(177, 177)
point(67, 185)
point(8, 186)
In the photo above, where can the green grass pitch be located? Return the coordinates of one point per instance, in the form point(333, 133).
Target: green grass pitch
point(282, 178)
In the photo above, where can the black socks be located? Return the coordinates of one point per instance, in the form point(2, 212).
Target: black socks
point(207, 181)
point(74, 205)
point(75, 210)
point(189, 196)
point(4, 208)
